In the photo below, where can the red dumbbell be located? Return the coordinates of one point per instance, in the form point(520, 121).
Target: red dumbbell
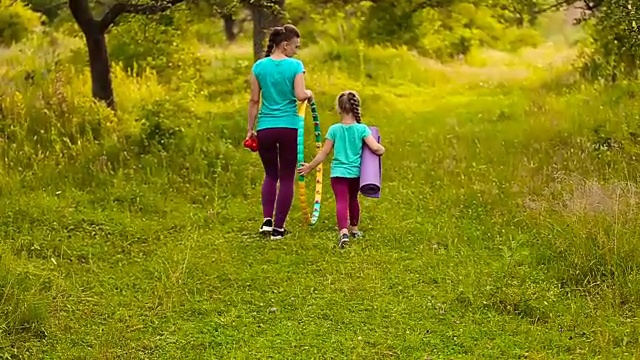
point(251, 144)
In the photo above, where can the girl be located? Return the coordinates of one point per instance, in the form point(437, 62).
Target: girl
point(279, 78)
point(347, 137)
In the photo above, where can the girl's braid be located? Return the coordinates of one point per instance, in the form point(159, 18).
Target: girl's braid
point(354, 104)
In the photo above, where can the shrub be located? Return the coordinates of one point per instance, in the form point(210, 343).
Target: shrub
point(611, 51)
point(16, 21)
point(152, 42)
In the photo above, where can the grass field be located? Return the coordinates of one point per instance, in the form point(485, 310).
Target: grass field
point(506, 227)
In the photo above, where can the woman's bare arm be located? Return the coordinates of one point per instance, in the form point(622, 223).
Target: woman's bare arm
point(254, 103)
point(300, 90)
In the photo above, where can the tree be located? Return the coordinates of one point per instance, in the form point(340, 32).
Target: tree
point(615, 46)
point(519, 12)
point(229, 22)
point(265, 14)
point(228, 11)
point(94, 31)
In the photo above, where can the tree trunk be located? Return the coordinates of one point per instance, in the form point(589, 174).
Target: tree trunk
point(259, 18)
point(263, 19)
point(94, 34)
point(229, 23)
point(101, 87)
point(101, 84)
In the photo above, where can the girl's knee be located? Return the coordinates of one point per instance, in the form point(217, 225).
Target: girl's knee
point(340, 203)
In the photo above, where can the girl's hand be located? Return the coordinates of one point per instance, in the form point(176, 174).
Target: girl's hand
point(310, 94)
point(304, 169)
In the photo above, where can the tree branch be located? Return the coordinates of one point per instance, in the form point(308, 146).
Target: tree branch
point(554, 6)
point(590, 6)
point(51, 6)
point(82, 14)
point(120, 8)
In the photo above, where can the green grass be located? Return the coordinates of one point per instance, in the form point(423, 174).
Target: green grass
point(501, 231)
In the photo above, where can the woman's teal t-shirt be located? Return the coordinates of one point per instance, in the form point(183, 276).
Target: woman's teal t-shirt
point(347, 148)
point(279, 104)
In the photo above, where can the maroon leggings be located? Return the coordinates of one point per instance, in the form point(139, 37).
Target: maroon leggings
point(347, 205)
point(278, 149)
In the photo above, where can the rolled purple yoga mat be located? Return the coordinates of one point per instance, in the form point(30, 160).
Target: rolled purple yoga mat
point(371, 169)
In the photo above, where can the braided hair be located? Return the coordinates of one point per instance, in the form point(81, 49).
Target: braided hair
point(349, 103)
point(279, 35)
point(276, 33)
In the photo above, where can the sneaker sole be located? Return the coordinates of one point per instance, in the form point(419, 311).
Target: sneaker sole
point(343, 243)
point(265, 229)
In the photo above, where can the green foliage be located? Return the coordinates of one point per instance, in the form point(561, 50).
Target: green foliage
point(61, 127)
point(154, 42)
point(516, 13)
point(463, 27)
point(507, 215)
point(50, 9)
point(391, 22)
point(121, 216)
point(17, 21)
point(442, 30)
point(321, 22)
point(613, 49)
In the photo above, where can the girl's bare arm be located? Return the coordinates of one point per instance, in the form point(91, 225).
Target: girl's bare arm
point(322, 155)
point(373, 144)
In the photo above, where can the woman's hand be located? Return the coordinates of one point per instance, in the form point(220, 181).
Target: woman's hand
point(251, 135)
point(310, 98)
point(304, 169)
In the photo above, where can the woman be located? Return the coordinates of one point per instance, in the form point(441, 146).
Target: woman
point(280, 80)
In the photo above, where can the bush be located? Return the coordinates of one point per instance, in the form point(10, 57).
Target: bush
point(612, 51)
point(447, 34)
point(51, 121)
point(152, 42)
point(16, 21)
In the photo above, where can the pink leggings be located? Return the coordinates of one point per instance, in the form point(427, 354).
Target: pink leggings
point(347, 206)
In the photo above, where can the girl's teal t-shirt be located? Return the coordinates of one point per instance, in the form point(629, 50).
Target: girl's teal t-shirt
point(279, 104)
point(347, 148)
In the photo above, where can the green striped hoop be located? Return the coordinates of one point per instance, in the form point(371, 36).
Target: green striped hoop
point(312, 218)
